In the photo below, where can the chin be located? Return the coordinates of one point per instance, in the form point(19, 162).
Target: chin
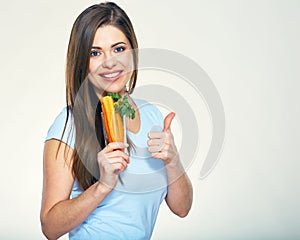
point(111, 87)
point(114, 90)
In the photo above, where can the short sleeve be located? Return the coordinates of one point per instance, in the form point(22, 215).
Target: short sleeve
point(57, 128)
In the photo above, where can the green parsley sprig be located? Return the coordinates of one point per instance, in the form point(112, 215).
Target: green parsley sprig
point(122, 106)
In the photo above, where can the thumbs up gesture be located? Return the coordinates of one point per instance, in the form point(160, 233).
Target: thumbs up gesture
point(161, 144)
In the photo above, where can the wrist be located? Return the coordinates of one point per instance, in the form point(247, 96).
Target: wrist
point(174, 163)
point(174, 170)
point(102, 188)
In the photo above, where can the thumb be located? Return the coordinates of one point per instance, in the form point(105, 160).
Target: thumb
point(168, 120)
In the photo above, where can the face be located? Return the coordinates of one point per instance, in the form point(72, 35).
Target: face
point(111, 61)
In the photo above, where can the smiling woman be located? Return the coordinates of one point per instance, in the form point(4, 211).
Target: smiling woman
point(82, 194)
point(111, 65)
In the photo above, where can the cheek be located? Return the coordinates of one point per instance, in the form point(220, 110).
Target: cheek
point(126, 60)
point(93, 66)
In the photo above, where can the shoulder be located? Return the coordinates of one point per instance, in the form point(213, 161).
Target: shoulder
point(63, 115)
point(63, 128)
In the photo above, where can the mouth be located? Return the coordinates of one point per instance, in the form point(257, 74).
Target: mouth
point(111, 76)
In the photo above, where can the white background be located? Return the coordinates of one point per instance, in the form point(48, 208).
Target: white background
point(250, 50)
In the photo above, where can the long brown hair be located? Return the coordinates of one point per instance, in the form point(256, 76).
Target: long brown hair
point(81, 99)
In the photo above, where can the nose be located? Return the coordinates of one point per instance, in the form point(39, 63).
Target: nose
point(109, 61)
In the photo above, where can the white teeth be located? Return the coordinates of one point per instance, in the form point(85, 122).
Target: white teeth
point(111, 75)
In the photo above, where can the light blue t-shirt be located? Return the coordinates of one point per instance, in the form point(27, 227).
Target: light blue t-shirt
point(130, 210)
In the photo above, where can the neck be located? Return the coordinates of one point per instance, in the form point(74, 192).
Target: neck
point(101, 94)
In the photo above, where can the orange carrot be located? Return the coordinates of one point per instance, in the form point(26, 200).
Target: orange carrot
point(112, 120)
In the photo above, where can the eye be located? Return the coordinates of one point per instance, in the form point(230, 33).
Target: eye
point(119, 49)
point(94, 53)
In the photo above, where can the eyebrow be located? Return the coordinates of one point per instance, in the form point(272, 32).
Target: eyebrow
point(115, 44)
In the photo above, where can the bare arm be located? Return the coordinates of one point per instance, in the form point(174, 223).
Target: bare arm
point(180, 192)
point(60, 214)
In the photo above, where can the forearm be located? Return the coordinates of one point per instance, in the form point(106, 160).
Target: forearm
point(180, 191)
point(68, 214)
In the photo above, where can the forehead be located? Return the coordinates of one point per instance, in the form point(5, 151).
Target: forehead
point(108, 35)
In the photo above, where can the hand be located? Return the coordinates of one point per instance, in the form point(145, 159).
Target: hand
point(112, 160)
point(161, 144)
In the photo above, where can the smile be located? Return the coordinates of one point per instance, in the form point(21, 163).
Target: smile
point(111, 76)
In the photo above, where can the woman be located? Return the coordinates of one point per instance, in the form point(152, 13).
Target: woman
point(82, 191)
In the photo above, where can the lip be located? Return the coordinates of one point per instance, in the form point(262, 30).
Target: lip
point(111, 76)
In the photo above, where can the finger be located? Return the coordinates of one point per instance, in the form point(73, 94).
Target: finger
point(109, 165)
point(161, 155)
point(158, 135)
point(118, 154)
point(155, 149)
point(119, 166)
point(155, 142)
point(114, 146)
point(168, 121)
